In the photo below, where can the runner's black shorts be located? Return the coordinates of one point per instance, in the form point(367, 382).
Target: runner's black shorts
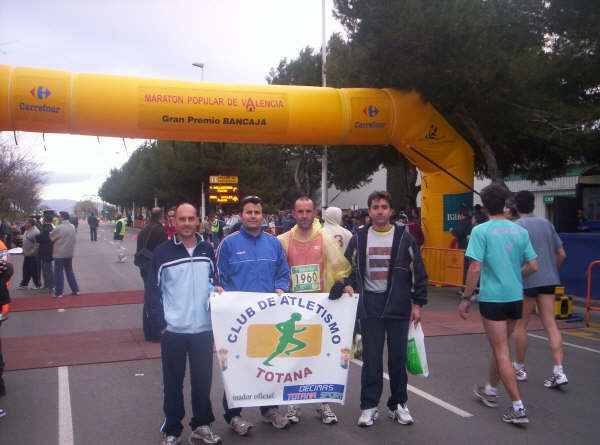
point(535, 291)
point(501, 311)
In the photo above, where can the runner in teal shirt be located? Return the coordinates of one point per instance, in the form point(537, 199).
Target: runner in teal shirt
point(501, 254)
point(501, 247)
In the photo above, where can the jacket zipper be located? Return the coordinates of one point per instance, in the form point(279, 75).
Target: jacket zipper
point(389, 295)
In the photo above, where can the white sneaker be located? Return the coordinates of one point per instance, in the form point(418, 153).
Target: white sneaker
point(402, 415)
point(293, 414)
point(368, 416)
point(556, 381)
point(521, 374)
point(205, 434)
point(328, 417)
point(274, 417)
point(170, 440)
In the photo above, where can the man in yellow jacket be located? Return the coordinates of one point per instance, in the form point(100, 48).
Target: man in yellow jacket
point(317, 264)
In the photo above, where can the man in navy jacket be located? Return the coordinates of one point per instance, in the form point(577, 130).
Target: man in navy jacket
point(251, 260)
point(389, 274)
point(179, 283)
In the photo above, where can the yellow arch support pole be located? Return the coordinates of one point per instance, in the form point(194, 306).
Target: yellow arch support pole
point(54, 101)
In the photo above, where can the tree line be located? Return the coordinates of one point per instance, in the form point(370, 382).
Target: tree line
point(519, 80)
point(21, 180)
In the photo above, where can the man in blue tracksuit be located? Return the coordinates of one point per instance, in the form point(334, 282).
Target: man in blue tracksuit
point(252, 261)
point(179, 283)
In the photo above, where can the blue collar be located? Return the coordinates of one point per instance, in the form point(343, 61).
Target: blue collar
point(249, 235)
point(177, 242)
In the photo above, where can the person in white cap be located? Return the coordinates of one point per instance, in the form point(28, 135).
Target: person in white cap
point(333, 226)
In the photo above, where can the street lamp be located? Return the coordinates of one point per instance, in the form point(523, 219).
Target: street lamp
point(203, 207)
point(201, 66)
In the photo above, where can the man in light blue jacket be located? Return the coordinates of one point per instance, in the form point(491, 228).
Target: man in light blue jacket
point(179, 282)
point(251, 260)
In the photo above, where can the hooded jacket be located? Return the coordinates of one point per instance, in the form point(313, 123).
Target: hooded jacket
point(407, 277)
point(333, 221)
point(321, 248)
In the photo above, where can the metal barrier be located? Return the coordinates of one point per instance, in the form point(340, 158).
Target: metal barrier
point(444, 266)
point(588, 304)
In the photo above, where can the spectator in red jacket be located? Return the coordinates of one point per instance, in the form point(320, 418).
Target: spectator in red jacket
point(414, 228)
point(170, 225)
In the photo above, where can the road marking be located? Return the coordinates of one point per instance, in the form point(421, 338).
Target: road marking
point(65, 417)
point(585, 348)
point(582, 334)
point(592, 329)
point(427, 396)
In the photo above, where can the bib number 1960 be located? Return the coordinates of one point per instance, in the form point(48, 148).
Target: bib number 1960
point(306, 278)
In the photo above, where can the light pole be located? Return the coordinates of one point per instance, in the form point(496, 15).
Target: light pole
point(201, 66)
point(324, 156)
point(203, 207)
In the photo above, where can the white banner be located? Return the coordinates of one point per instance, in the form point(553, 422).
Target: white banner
point(288, 349)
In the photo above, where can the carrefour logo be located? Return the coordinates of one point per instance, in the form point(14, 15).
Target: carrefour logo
point(371, 111)
point(40, 92)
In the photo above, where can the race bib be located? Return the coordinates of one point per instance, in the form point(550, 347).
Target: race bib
point(306, 278)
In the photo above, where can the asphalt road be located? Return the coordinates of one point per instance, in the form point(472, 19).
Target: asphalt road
point(121, 402)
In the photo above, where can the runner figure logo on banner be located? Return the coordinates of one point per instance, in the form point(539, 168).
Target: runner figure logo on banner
point(288, 349)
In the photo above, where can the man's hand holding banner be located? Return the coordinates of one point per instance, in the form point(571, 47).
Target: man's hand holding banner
point(283, 349)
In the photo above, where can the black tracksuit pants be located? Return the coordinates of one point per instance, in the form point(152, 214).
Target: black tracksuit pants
point(373, 332)
point(175, 349)
point(30, 270)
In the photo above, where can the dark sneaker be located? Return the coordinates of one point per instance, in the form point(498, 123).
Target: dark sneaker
point(490, 400)
point(274, 417)
point(556, 381)
point(205, 434)
point(521, 374)
point(515, 416)
point(328, 417)
point(240, 425)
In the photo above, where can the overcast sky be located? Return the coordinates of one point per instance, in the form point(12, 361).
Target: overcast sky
point(238, 41)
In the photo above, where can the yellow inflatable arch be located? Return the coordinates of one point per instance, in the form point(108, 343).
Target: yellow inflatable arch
point(41, 100)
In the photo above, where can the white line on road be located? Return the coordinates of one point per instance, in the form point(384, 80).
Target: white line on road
point(585, 348)
point(65, 417)
point(427, 396)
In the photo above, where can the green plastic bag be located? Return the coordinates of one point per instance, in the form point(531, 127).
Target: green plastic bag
point(416, 362)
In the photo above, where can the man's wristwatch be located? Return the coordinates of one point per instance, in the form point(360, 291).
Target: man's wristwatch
point(470, 298)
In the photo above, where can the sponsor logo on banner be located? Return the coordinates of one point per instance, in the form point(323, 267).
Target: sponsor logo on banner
point(40, 92)
point(435, 134)
point(371, 111)
point(206, 110)
point(293, 348)
point(369, 116)
point(452, 204)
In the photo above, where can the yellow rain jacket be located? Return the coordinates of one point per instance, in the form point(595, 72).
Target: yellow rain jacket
point(315, 264)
